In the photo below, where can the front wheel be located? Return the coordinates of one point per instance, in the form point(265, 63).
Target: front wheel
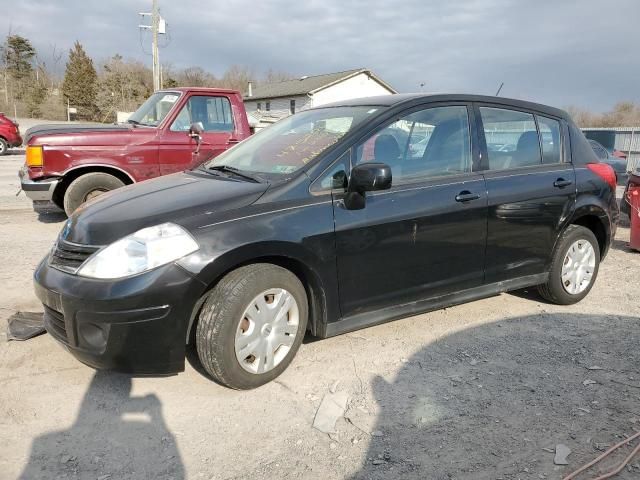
point(251, 325)
point(574, 267)
point(4, 147)
point(88, 186)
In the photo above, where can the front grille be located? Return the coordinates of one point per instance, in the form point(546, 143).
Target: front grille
point(55, 325)
point(68, 257)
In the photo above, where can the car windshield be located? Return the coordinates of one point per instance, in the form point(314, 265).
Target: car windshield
point(293, 142)
point(153, 111)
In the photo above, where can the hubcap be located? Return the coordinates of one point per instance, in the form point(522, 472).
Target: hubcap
point(578, 267)
point(94, 193)
point(267, 330)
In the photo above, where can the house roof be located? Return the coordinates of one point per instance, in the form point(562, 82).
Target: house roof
point(309, 85)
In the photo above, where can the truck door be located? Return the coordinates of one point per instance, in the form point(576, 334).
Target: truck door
point(177, 148)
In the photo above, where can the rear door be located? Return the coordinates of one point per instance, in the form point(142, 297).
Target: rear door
point(531, 189)
point(177, 148)
point(426, 235)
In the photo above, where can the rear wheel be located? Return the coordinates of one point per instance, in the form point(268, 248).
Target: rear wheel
point(251, 325)
point(574, 267)
point(3, 146)
point(88, 186)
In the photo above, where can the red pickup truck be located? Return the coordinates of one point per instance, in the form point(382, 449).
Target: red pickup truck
point(70, 164)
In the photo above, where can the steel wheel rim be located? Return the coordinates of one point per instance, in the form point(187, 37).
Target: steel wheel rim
point(267, 330)
point(3, 148)
point(578, 267)
point(94, 193)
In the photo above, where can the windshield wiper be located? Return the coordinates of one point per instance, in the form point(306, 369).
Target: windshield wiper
point(133, 122)
point(236, 171)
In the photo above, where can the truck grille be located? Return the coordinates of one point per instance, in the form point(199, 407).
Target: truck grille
point(68, 257)
point(55, 325)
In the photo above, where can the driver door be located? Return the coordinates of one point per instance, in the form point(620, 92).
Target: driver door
point(426, 236)
point(177, 148)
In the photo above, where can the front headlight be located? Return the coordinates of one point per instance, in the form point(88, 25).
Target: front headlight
point(141, 251)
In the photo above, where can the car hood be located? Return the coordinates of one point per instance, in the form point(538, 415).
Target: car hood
point(57, 129)
point(172, 198)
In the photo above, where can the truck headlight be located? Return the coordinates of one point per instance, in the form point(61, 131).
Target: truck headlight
point(141, 251)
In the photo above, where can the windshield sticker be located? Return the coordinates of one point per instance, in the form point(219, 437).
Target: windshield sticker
point(169, 98)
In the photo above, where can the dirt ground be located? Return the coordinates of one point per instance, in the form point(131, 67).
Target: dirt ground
point(484, 390)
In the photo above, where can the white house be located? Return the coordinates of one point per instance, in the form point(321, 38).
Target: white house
point(270, 102)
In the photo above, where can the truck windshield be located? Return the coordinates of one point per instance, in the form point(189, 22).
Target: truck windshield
point(293, 142)
point(153, 111)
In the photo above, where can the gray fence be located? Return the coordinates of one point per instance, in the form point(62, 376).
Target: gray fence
point(627, 141)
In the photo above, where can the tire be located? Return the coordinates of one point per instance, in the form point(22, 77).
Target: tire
point(555, 290)
point(222, 318)
point(4, 148)
point(86, 186)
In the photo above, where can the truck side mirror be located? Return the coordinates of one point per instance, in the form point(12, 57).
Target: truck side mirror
point(195, 132)
point(366, 177)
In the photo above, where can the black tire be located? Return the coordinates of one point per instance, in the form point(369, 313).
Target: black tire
point(553, 290)
point(4, 148)
point(87, 184)
point(221, 314)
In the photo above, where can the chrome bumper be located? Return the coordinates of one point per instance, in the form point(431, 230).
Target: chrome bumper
point(38, 191)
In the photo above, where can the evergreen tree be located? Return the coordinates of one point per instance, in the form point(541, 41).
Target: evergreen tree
point(80, 83)
point(17, 55)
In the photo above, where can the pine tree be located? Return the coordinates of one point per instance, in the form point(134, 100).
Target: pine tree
point(17, 53)
point(81, 83)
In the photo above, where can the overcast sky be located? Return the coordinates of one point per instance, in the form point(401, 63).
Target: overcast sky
point(558, 52)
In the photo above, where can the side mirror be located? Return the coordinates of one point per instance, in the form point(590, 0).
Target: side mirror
point(366, 177)
point(195, 132)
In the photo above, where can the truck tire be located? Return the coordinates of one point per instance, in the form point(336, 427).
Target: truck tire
point(88, 186)
point(3, 146)
point(574, 267)
point(251, 325)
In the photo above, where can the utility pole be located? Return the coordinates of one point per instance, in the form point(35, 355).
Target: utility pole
point(156, 58)
point(157, 27)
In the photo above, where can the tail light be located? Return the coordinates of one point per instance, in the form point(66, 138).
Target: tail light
point(34, 156)
point(605, 172)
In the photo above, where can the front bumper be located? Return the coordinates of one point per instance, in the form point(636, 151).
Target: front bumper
point(135, 325)
point(37, 190)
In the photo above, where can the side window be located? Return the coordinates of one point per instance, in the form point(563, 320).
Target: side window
point(213, 112)
point(335, 178)
point(551, 140)
point(427, 143)
point(512, 138)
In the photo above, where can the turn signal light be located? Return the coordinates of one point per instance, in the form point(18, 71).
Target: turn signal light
point(605, 172)
point(34, 156)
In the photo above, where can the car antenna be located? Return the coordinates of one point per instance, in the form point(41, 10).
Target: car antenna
point(499, 88)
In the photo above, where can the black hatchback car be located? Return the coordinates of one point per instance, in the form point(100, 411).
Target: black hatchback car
point(327, 222)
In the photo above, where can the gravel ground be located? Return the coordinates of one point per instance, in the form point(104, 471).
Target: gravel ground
point(484, 390)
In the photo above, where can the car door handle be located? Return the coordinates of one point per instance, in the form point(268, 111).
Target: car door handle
point(233, 140)
point(466, 196)
point(561, 183)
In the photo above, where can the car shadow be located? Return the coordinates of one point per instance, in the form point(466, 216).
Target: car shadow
point(493, 401)
point(115, 435)
point(48, 212)
point(621, 245)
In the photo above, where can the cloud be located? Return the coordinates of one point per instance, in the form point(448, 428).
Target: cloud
point(559, 53)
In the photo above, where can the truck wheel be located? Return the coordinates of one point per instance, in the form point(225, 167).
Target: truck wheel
point(88, 186)
point(251, 325)
point(3, 146)
point(574, 267)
